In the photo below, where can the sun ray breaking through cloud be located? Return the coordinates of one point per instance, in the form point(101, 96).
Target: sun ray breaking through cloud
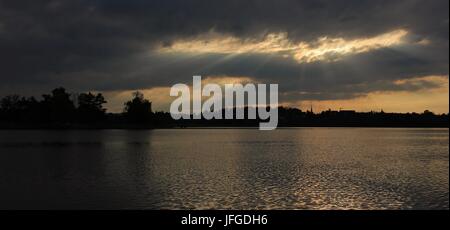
point(323, 49)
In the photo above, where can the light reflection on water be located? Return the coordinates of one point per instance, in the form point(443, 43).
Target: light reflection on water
point(301, 168)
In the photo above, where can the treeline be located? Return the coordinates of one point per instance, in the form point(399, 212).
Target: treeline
point(60, 109)
point(350, 118)
point(65, 110)
point(293, 117)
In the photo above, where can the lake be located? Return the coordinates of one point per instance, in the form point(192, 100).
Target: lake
point(298, 168)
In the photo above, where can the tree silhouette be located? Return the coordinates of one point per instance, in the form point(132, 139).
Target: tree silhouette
point(138, 109)
point(58, 105)
point(10, 107)
point(57, 110)
point(90, 107)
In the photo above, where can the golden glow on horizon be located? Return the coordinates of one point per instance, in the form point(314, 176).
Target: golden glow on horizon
point(159, 96)
point(323, 49)
point(436, 99)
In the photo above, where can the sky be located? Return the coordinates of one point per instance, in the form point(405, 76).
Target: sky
point(366, 55)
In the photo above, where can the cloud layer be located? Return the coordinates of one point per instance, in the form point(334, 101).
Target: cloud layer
point(316, 50)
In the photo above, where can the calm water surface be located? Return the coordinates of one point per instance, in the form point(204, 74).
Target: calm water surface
point(301, 168)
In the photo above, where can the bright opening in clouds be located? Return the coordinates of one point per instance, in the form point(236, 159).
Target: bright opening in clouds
point(322, 49)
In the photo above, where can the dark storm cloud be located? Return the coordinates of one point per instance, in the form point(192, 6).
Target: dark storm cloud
point(109, 45)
